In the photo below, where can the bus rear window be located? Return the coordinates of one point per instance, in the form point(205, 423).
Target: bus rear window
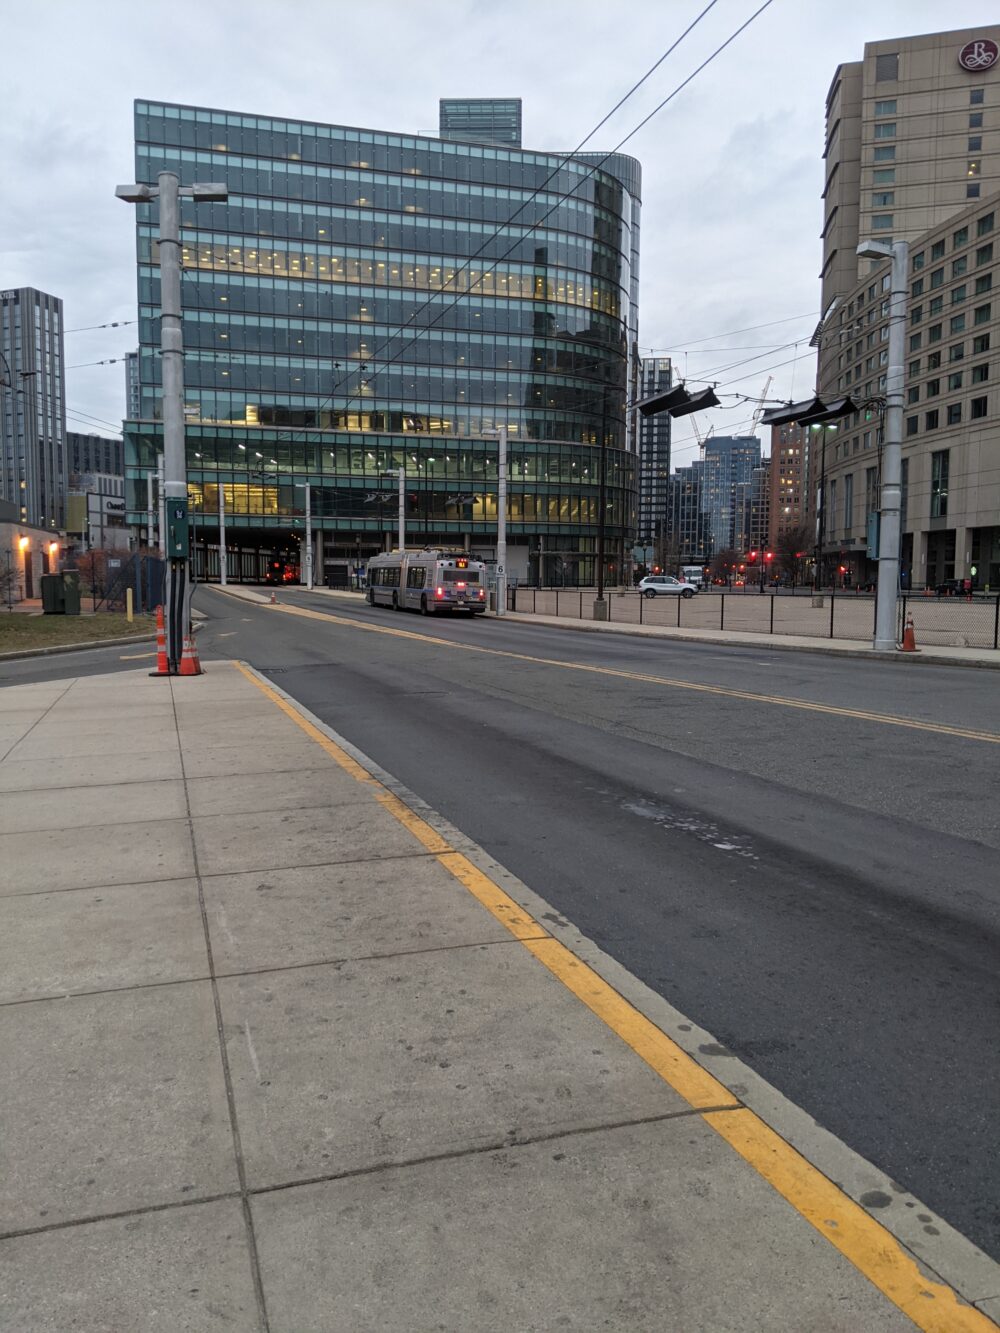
point(460, 575)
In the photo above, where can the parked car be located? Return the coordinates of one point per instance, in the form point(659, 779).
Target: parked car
point(665, 585)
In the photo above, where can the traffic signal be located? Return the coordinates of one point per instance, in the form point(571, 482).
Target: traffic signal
point(753, 556)
point(769, 556)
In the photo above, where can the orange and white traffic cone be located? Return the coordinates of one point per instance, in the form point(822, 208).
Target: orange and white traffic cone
point(190, 663)
point(909, 637)
point(162, 664)
point(274, 598)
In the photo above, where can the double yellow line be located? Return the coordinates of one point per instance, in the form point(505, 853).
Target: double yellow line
point(875, 1252)
point(699, 687)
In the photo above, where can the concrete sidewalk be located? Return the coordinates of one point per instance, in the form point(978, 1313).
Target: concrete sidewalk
point(279, 1054)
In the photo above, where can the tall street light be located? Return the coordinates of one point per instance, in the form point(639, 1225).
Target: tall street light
point(307, 569)
point(169, 191)
point(500, 435)
point(892, 447)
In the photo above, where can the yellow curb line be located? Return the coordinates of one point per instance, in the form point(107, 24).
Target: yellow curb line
point(874, 1251)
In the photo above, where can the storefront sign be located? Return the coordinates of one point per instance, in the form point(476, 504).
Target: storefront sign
point(981, 54)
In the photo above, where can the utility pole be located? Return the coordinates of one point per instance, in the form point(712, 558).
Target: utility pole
point(600, 606)
point(402, 509)
point(169, 191)
point(223, 568)
point(501, 607)
point(161, 517)
point(892, 447)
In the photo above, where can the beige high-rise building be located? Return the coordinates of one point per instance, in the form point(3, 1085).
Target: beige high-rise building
point(913, 153)
point(912, 137)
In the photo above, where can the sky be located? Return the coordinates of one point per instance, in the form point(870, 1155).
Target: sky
point(732, 166)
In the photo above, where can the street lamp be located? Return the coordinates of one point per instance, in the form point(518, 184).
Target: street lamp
point(300, 485)
point(500, 435)
point(892, 449)
point(169, 191)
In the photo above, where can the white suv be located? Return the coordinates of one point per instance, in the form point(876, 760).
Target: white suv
point(660, 585)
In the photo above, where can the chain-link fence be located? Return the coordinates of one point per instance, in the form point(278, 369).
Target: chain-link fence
point(942, 622)
point(106, 575)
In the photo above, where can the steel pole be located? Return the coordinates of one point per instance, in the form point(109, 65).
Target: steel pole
point(161, 517)
point(150, 521)
point(309, 539)
point(501, 590)
point(172, 357)
point(402, 509)
point(600, 606)
point(892, 457)
point(223, 564)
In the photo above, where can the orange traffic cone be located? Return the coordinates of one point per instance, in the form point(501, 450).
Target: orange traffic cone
point(909, 637)
point(274, 598)
point(162, 664)
point(190, 664)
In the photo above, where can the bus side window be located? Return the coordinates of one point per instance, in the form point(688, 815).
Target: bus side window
point(415, 577)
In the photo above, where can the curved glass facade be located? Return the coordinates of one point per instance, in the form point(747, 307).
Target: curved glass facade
point(351, 310)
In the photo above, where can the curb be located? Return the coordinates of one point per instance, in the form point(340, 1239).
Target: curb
point(758, 643)
point(76, 647)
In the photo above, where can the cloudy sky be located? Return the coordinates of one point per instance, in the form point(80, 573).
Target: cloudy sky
point(732, 167)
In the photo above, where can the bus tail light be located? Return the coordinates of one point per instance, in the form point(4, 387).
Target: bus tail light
point(439, 592)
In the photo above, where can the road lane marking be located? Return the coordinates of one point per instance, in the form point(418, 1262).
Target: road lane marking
point(134, 657)
point(932, 1306)
point(699, 687)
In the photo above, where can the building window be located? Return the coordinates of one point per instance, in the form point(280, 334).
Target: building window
point(912, 425)
point(985, 225)
point(977, 408)
point(958, 266)
point(936, 305)
point(913, 368)
point(937, 250)
point(881, 222)
point(933, 360)
point(886, 108)
point(976, 96)
point(887, 68)
point(975, 143)
point(976, 120)
point(918, 261)
point(973, 166)
point(934, 333)
point(972, 191)
point(884, 199)
point(954, 380)
point(884, 176)
point(913, 394)
point(981, 344)
point(981, 373)
point(915, 341)
point(957, 324)
point(958, 293)
point(939, 484)
point(917, 287)
point(960, 237)
point(886, 130)
point(916, 314)
point(932, 389)
point(954, 414)
point(849, 501)
point(885, 153)
point(981, 314)
point(956, 352)
point(937, 278)
point(984, 283)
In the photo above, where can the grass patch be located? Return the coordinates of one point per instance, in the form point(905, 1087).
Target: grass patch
point(20, 631)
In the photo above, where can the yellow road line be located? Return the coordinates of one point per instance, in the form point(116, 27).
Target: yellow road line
point(133, 657)
point(699, 687)
point(874, 1251)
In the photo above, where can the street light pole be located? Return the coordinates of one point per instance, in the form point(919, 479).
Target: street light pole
point(889, 535)
point(600, 606)
point(501, 607)
point(168, 191)
point(223, 567)
point(402, 509)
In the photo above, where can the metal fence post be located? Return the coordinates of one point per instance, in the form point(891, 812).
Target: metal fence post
point(771, 629)
point(996, 623)
point(679, 600)
point(611, 598)
point(580, 617)
point(833, 598)
point(722, 610)
point(557, 603)
point(641, 600)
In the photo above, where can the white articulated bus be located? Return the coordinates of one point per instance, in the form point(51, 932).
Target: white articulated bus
point(427, 581)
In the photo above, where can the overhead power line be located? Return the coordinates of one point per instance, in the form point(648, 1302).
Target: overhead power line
point(115, 324)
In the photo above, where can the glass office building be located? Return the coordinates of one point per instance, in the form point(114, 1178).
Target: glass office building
point(481, 119)
point(367, 301)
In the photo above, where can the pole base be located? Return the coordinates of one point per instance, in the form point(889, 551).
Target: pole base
point(817, 599)
point(600, 609)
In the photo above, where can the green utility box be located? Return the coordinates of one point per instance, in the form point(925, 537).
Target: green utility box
point(53, 603)
point(71, 591)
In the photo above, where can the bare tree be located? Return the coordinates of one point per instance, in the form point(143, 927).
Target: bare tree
point(792, 545)
point(725, 563)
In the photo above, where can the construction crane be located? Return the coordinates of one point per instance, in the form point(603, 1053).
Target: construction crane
point(698, 435)
point(759, 409)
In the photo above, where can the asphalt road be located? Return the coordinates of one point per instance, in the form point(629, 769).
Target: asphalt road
point(818, 888)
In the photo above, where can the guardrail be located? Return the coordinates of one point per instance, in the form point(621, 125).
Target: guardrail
point(954, 622)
